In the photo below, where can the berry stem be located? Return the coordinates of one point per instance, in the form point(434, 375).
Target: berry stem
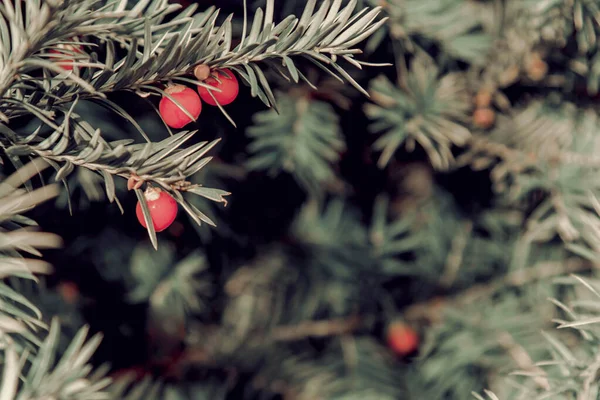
point(152, 193)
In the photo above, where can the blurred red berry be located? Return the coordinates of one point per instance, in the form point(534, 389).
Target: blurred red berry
point(402, 339)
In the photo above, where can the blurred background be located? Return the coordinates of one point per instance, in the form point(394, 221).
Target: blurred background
point(400, 245)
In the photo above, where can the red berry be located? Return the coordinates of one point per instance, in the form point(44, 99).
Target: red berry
point(163, 209)
point(69, 292)
point(228, 85)
point(402, 339)
point(484, 118)
point(65, 63)
point(172, 114)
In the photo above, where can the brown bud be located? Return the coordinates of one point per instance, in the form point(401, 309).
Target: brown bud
point(202, 72)
point(509, 75)
point(536, 68)
point(138, 184)
point(131, 182)
point(484, 118)
point(483, 98)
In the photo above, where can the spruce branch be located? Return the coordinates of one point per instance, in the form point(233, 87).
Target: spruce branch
point(155, 52)
point(30, 368)
point(336, 241)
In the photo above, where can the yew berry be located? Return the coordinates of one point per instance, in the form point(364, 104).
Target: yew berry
point(163, 209)
point(64, 51)
point(484, 118)
point(223, 80)
point(171, 113)
point(402, 339)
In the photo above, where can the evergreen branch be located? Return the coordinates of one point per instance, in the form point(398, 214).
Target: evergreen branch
point(69, 377)
point(320, 37)
point(125, 388)
point(457, 27)
point(356, 369)
point(522, 359)
point(431, 110)
point(334, 238)
point(391, 240)
point(165, 163)
point(472, 345)
point(431, 310)
point(173, 288)
point(546, 152)
point(304, 139)
point(572, 370)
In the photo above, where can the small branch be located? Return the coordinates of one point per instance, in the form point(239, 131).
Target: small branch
point(455, 257)
point(590, 374)
point(203, 356)
point(522, 359)
point(432, 310)
point(566, 230)
point(332, 327)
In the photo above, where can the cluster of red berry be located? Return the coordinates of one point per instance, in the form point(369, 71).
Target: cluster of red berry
point(220, 87)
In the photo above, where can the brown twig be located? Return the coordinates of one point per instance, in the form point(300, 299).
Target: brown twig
point(455, 257)
point(591, 375)
point(522, 359)
point(431, 310)
point(324, 328)
point(321, 328)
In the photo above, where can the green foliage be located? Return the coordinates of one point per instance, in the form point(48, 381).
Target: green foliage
point(481, 338)
point(569, 367)
point(68, 377)
point(169, 286)
point(456, 26)
point(138, 49)
point(215, 174)
point(372, 376)
point(335, 236)
point(303, 139)
point(32, 83)
point(547, 152)
point(291, 319)
point(430, 109)
point(21, 319)
point(126, 388)
point(391, 239)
